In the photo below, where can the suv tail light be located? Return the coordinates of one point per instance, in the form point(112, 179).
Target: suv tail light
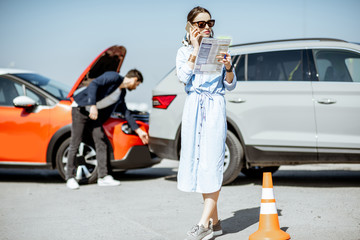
point(162, 101)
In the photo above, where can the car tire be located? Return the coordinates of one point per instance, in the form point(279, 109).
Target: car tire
point(257, 172)
point(85, 162)
point(234, 155)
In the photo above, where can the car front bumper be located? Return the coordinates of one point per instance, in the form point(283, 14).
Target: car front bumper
point(164, 148)
point(137, 157)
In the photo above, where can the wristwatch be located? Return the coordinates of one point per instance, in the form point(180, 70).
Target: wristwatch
point(229, 70)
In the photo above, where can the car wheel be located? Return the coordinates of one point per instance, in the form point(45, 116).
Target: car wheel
point(233, 161)
point(257, 172)
point(85, 162)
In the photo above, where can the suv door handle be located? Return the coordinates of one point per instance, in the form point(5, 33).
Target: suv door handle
point(237, 100)
point(326, 101)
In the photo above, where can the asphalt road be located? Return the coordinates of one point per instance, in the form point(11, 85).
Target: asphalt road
point(313, 201)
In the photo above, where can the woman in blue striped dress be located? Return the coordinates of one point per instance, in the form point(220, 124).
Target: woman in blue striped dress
point(203, 131)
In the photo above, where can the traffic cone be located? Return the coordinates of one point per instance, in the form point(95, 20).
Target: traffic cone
point(269, 228)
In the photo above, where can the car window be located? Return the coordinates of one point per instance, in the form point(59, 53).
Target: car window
point(276, 66)
point(239, 64)
point(40, 100)
point(8, 91)
point(337, 65)
point(59, 90)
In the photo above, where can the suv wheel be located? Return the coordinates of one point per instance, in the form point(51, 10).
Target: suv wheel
point(85, 162)
point(257, 172)
point(234, 155)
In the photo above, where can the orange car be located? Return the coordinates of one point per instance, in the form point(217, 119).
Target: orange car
point(35, 123)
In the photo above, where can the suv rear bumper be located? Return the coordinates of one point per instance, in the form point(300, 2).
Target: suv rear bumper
point(164, 148)
point(137, 157)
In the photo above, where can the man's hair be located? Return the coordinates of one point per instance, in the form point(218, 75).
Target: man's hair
point(135, 73)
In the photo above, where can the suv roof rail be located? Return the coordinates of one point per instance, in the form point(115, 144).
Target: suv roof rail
point(289, 40)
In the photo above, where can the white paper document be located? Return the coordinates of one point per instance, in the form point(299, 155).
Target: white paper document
point(206, 61)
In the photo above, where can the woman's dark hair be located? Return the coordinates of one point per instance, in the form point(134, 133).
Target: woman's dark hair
point(190, 18)
point(195, 11)
point(135, 73)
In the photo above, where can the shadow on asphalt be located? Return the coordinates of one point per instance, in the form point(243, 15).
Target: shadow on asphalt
point(144, 174)
point(301, 178)
point(240, 220)
point(305, 178)
point(30, 175)
point(243, 219)
point(296, 178)
point(52, 176)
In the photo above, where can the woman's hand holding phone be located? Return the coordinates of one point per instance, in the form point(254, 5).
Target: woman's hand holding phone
point(195, 39)
point(195, 36)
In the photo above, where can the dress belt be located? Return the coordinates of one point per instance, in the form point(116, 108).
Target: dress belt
point(203, 95)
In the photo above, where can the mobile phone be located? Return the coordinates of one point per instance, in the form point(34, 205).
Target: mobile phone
point(188, 26)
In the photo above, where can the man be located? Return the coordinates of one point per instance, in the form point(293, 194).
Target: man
point(91, 108)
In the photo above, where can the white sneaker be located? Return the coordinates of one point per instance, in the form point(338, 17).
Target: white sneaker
point(108, 180)
point(72, 184)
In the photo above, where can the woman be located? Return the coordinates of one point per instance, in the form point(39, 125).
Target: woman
point(203, 131)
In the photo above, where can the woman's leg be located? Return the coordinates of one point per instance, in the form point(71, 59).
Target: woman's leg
point(210, 208)
point(214, 217)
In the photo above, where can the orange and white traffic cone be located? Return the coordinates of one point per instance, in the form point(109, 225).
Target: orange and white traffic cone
point(269, 228)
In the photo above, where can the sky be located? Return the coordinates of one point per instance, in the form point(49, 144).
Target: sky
point(59, 39)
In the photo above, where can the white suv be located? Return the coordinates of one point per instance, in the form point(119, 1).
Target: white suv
point(296, 101)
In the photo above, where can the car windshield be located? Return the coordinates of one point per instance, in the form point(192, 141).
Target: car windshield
point(59, 90)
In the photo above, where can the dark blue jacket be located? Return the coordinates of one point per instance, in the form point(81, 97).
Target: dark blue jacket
point(101, 87)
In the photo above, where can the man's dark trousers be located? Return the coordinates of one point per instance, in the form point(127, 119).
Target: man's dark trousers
point(80, 119)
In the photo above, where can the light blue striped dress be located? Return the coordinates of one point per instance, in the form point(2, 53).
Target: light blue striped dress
point(203, 130)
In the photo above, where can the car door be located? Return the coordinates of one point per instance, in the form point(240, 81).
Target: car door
point(273, 108)
point(23, 134)
point(337, 104)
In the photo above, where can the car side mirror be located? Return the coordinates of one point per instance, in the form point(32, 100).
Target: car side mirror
point(24, 102)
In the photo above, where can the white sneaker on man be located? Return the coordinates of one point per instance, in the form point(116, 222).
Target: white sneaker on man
point(108, 180)
point(72, 184)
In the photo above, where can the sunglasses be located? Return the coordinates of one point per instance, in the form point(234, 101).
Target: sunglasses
point(202, 24)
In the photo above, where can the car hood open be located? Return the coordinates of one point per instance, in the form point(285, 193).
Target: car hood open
point(110, 59)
